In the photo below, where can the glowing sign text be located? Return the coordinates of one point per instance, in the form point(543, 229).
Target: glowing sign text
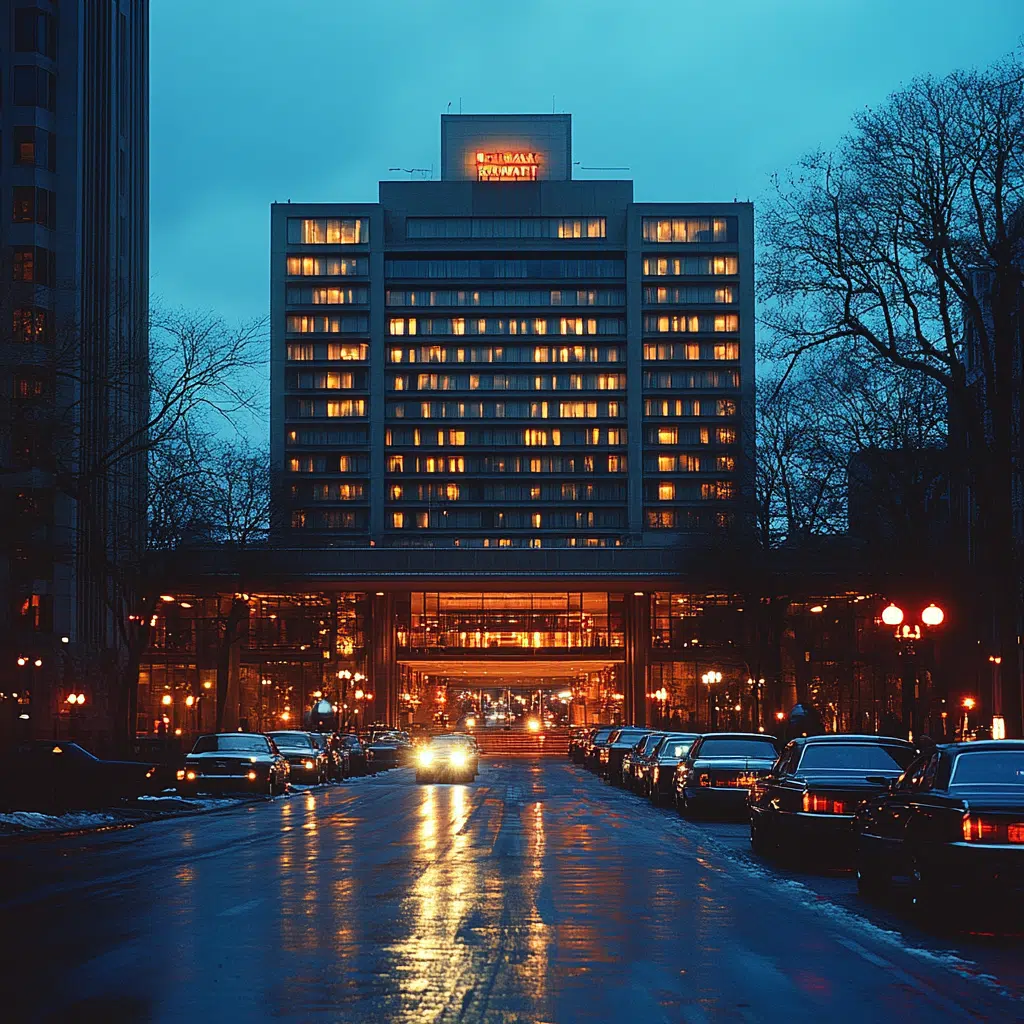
point(508, 166)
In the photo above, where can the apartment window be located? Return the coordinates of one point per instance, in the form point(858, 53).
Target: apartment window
point(668, 435)
point(727, 350)
point(300, 353)
point(350, 407)
point(396, 463)
point(33, 265)
point(725, 463)
point(398, 520)
point(691, 294)
point(328, 230)
point(31, 325)
point(33, 205)
point(687, 266)
point(691, 323)
point(725, 435)
point(660, 519)
point(345, 353)
point(34, 87)
point(298, 295)
point(505, 227)
point(617, 464)
point(34, 147)
point(35, 32)
point(328, 266)
point(498, 269)
point(666, 491)
point(689, 229)
point(323, 324)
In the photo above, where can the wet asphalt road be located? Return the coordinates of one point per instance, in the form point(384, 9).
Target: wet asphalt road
point(538, 894)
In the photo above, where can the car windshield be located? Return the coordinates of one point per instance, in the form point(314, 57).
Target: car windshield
point(448, 741)
point(989, 768)
point(677, 749)
point(651, 742)
point(232, 742)
point(856, 756)
point(292, 740)
point(737, 747)
point(388, 737)
point(602, 735)
point(627, 737)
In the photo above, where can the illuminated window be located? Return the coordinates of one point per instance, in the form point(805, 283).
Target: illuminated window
point(395, 492)
point(338, 381)
point(535, 519)
point(396, 463)
point(726, 463)
point(666, 463)
point(344, 353)
point(689, 229)
point(422, 520)
point(617, 464)
point(725, 407)
point(666, 491)
point(300, 353)
point(725, 435)
point(668, 435)
point(298, 519)
point(660, 519)
point(729, 322)
point(328, 230)
point(350, 407)
point(451, 492)
point(398, 520)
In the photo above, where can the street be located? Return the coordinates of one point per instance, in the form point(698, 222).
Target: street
point(537, 894)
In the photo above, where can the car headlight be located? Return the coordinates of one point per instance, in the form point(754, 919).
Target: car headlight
point(190, 776)
point(307, 764)
point(252, 776)
point(458, 759)
point(425, 758)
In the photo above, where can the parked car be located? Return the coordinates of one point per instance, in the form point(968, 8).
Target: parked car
point(719, 769)
point(356, 753)
point(808, 800)
point(633, 762)
point(577, 737)
point(234, 762)
point(309, 762)
point(597, 741)
point(388, 748)
point(659, 778)
point(447, 758)
point(337, 757)
point(619, 744)
point(953, 823)
point(56, 775)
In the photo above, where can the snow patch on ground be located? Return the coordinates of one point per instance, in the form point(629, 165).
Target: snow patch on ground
point(35, 821)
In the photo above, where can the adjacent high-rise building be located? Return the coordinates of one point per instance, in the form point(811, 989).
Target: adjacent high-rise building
point(511, 358)
point(74, 184)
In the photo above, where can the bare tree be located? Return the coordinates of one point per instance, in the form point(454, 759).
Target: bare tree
point(906, 241)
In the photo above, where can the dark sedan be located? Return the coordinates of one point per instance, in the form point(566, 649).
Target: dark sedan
point(953, 823)
point(719, 769)
point(619, 744)
point(356, 753)
point(806, 804)
point(388, 748)
point(597, 742)
point(309, 762)
point(55, 775)
point(577, 741)
point(634, 762)
point(234, 762)
point(338, 767)
point(665, 758)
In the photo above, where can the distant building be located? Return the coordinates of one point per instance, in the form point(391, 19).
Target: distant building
point(510, 358)
point(74, 250)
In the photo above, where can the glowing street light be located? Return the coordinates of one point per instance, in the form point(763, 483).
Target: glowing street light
point(892, 615)
point(932, 615)
point(166, 700)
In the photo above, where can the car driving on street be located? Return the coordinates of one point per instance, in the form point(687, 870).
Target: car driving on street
point(447, 758)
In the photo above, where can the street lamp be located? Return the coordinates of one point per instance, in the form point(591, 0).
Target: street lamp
point(933, 615)
point(709, 679)
point(892, 615)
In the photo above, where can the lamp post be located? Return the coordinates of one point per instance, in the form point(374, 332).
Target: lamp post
point(709, 679)
point(908, 635)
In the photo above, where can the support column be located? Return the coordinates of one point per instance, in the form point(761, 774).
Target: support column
point(637, 641)
point(383, 666)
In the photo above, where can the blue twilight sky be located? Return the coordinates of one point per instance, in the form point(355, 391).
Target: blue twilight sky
point(255, 101)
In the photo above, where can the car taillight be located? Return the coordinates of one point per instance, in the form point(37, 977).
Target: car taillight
point(814, 804)
point(704, 779)
point(982, 830)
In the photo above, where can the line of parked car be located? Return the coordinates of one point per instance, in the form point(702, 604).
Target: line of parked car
point(946, 818)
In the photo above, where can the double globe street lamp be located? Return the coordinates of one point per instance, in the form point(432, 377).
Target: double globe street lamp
point(709, 679)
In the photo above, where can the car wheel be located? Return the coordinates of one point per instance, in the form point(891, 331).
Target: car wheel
point(871, 881)
point(759, 841)
point(686, 809)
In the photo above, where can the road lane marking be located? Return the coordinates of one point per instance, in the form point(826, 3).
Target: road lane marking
point(241, 908)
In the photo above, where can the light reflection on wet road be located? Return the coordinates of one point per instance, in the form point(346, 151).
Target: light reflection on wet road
point(536, 894)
